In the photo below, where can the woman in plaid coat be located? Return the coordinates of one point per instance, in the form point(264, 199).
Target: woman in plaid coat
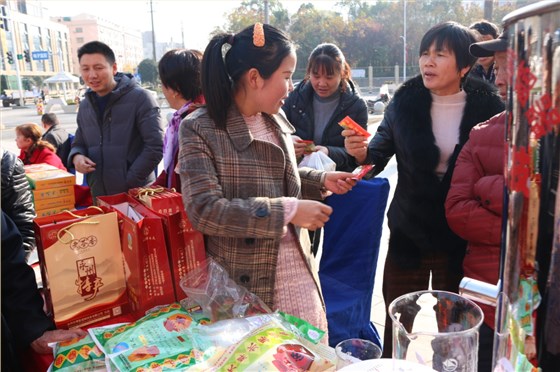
point(240, 182)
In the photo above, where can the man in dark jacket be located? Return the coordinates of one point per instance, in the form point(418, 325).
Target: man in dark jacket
point(119, 141)
point(24, 323)
point(17, 200)
point(57, 136)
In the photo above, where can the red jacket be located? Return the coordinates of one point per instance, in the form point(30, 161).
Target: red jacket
point(42, 155)
point(475, 200)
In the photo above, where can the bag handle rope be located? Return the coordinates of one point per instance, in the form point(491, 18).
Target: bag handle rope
point(85, 215)
point(152, 191)
point(67, 230)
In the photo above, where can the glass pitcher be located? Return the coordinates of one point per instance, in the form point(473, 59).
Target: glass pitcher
point(437, 329)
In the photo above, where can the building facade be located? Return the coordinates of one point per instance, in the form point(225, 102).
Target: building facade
point(31, 46)
point(125, 42)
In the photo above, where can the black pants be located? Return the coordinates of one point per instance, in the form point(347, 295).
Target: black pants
point(397, 281)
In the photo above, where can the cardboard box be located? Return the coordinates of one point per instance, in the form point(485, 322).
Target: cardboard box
point(81, 267)
point(54, 210)
point(55, 192)
point(148, 274)
point(49, 179)
point(34, 168)
point(54, 202)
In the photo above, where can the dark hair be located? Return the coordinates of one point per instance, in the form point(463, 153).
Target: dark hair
point(179, 69)
point(220, 74)
point(94, 47)
point(49, 119)
point(455, 37)
point(484, 27)
point(33, 131)
point(328, 57)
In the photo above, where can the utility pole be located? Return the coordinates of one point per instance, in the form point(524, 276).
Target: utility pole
point(404, 43)
point(153, 30)
point(266, 20)
point(183, 34)
point(12, 28)
point(488, 9)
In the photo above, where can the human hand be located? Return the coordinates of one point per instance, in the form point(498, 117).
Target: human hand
point(355, 145)
point(311, 214)
point(83, 164)
point(41, 345)
point(339, 182)
point(323, 149)
point(299, 146)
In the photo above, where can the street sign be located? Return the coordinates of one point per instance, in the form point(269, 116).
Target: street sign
point(39, 55)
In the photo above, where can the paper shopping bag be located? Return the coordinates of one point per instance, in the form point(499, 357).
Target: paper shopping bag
point(81, 266)
point(185, 246)
point(148, 274)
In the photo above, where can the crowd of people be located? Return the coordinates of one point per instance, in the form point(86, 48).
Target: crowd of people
point(233, 145)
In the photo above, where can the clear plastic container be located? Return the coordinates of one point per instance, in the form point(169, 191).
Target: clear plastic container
point(437, 329)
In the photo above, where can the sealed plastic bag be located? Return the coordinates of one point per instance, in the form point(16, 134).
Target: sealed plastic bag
point(210, 287)
point(318, 160)
point(78, 354)
point(257, 343)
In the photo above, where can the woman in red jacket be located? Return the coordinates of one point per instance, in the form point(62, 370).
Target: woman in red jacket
point(33, 149)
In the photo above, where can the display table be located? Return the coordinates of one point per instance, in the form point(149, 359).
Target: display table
point(386, 365)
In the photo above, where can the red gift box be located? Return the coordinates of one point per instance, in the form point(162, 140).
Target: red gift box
point(184, 244)
point(147, 267)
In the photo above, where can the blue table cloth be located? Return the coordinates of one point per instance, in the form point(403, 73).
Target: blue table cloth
point(349, 259)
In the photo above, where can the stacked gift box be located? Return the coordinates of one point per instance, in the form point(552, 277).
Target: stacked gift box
point(53, 188)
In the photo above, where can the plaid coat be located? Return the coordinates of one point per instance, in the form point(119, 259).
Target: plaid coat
point(233, 185)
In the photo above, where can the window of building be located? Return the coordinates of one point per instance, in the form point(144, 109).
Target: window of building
point(80, 40)
point(79, 30)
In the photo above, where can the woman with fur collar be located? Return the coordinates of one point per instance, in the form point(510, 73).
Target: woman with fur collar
point(425, 126)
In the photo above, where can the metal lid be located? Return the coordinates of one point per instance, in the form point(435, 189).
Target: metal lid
point(531, 10)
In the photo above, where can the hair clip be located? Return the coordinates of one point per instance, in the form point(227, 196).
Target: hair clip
point(225, 48)
point(258, 35)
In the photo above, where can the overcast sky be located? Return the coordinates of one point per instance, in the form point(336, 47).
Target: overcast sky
point(196, 17)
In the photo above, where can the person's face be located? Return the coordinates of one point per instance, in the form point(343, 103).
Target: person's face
point(500, 70)
point(275, 89)
point(485, 62)
point(439, 71)
point(170, 96)
point(22, 142)
point(98, 73)
point(325, 85)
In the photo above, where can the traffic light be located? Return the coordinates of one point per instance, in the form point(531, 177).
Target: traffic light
point(10, 57)
point(3, 18)
point(26, 56)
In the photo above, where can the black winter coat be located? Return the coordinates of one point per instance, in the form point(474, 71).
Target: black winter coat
point(58, 137)
point(299, 111)
point(23, 318)
point(17, 199)
point(417, 209)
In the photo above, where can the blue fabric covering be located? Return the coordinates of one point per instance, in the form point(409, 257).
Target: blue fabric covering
point(349, 259)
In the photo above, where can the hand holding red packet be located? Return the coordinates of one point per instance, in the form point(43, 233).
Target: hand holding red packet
point(361, 171)
point(309, 146)
point(348, 123)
